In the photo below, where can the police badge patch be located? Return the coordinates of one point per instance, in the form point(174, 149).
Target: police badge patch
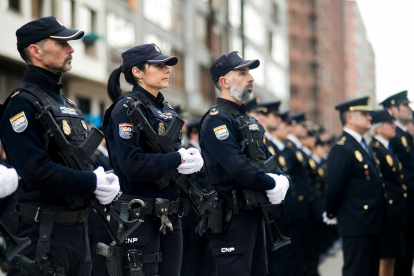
point(19, 122)
point(221, 132)
point(125, 131)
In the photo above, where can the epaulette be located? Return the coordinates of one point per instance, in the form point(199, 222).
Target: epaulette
point(14, 94)
point(214, 111)
point(129, 99)
point(289, 144)
point(70, 101)
point(342, 141)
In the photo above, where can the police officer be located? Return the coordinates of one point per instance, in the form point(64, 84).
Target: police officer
point(138, 167)
point(392, 242)
point(402, 145)
point(355, 194)
point(296, 219)
point(55, 224)
point(239, 248)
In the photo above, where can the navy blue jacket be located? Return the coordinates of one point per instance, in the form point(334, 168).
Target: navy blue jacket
point(135, 164)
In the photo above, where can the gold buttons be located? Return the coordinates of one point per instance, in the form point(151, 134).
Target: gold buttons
point(407, 150)
point(404, 187)
point(390, 201)
point(402, 176)
point(365, 207)
point(383, 185)
point(366, 166)
point(300, 197)
point(385, 195)
point(394, 169)
point(405, 194)
point(380, 174)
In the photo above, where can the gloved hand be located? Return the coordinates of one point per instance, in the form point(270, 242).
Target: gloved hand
point(193, 162)
point(278, 193)
point(8, 181)
point(107, 186)
point(329, 221)
point(183, 152)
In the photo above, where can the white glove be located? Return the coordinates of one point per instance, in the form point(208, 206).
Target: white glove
point(193, 162)
point(329, 221)
point(107, 186)
point(278, 193)
point(8, 181)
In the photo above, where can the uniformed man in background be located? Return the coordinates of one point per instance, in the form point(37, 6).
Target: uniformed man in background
point(355, 193)
point(402, 145)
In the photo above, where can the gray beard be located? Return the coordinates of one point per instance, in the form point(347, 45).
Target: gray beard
point(241, 94)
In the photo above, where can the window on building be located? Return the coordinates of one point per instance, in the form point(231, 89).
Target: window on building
point(55, 4)
point(254, 25)
point(177, 13)
point(207, 87)
point(66, 14)
point(215, 39)
point(15, 5)
point(119, 32)
point(84, 105)
point(202, 29)
point(89, 26)
point(215, 5)
point(234, 12)
point(159, 12)
point(37, 8)
point(177, 74)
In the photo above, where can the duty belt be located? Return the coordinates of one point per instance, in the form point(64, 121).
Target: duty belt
point(34, 213)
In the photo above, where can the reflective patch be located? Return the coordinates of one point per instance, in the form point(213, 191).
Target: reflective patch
point(84, 125)
point(68, 110)
point(19, 122)
point(253, 127)
point(221, 132)
point(66, 127)
point(165, 115)
point(125, 131)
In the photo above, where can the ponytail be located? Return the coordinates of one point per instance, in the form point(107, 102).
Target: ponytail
point(114, 88)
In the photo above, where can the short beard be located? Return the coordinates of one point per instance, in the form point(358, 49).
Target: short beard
point(241, 94)
point(62, 68)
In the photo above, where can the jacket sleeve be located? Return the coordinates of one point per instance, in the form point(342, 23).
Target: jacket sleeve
point(137, 165)
point(339, 167)
point(27, 153)
point(228, 154)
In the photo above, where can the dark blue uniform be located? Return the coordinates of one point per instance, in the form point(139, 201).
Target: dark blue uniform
point(240, 249)
point(138, 169)
point(355, 196)
point(44, 179)
point(392, 242)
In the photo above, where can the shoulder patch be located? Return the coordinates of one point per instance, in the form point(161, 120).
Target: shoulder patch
point(312, 164)
point(14, 94)
point(221, 132)
point(253, 127)
point(390, 161)
point(125, 131)
point(214, 111)
point(19, 122)
point(299, 156)
point(342, 141)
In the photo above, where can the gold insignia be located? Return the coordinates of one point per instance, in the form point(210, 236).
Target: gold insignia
point(85, 127)
point(320, 172)
point(392, 102)
point(214, 111)
point(294, 123)
point(377, 144)
point(389, 111)
point(240, 56)
point(221, 132)
point(289, 144)
point(14, 94)
point(312, 164)
point(59, 22)
point(366, 166)
point(282, 161)
point(342, 141)
point(264, 142)
point(400, 165)
point(271, 149)
point(66, 127)
point(299, 156)
point(389, 160)
point(404, 141)
point(157, 49)
point(358, 156)
point(161, 129)
point(368, 100)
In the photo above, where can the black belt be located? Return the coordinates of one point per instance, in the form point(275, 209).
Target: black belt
point(150, 206)
point(34, 213)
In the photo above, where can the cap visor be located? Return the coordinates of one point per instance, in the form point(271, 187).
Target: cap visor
point(252, 64)
point(168, 60)
point(67, 34)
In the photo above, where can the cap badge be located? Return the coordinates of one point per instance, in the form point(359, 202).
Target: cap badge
point(59, 22)
point(66, 127)
point(392, 102)
point(358, 156)
point(157, 49)
point(240, 56)
point(389, 111)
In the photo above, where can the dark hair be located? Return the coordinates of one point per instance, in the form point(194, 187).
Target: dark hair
point(25, 53)
point(343, 116)
point(114, 88)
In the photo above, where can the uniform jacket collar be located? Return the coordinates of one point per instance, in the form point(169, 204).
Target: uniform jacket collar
point(384, 142)
point(295, 141)
point(156, 100)
point(241, 108)
point(398, 124)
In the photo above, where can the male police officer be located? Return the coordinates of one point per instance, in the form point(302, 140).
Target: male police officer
point(240, 248)
point(57, 229)
point(355, 193)
point(402, 145)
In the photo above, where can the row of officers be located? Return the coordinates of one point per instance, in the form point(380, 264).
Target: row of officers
point(263, 167)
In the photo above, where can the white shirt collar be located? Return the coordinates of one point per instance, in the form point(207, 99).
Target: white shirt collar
point(103, 150)
point(354, 134)
point(295, 140)
point(317, 158)
point(382, 141)
point(398, 124)
point(307, 151)
point(278, 144)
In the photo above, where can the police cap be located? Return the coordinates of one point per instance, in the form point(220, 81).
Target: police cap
point(382, 116)
point(193, 126)
point(298, 118)
point(359, 104)
point(396, 99)
point(252, 105)
point(229, 62)
point(270, 107)
point(180, 110)
point(46, 27)
point(284, 115)
point(146, 53)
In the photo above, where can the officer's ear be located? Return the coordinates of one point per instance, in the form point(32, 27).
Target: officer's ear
point(225, 82)
point(395, 110)
point(36, 52)
point(137, 73)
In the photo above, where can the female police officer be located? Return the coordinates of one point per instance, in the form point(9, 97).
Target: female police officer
point(138, 167)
